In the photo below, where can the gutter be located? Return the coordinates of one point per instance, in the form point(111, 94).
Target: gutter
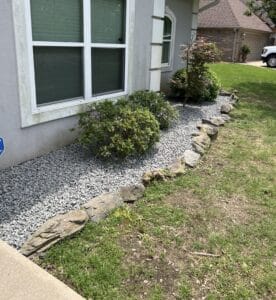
point(207, 6)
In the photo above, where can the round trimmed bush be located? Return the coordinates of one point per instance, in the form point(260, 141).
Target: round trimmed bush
point(111, 129)
point(157, 105)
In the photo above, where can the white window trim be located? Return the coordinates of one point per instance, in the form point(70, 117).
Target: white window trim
point(168, 67)
point(31, 114)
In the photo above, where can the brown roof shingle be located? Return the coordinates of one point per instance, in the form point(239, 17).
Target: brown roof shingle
point(229, 14)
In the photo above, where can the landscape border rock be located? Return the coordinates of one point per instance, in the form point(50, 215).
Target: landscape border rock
point(191, 158)
point(201, 143)
point(66, 225)
point(211, 130)
point(226, 108)
point(54, 230)
point(98, 208)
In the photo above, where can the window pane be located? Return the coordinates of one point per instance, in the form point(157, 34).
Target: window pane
point(167, 27)
point(57, 20)
point(58, 73)
point(166, 52)
point(107, 70)
point(108, 21)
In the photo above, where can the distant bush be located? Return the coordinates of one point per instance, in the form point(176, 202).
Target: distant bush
point(110, 129)
point(245, 51)
point(157, 105)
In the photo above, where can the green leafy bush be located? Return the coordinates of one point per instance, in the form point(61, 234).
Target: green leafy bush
point(178, 83)
point(203, 88)
point(197, 83)
point(111, 129)
point(157, 105)
point(213, 85)
point(244, 52)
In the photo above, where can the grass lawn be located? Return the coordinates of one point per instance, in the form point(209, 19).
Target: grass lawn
point(225, 207)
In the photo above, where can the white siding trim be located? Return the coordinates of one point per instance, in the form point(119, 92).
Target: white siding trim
point(87, 61)
point(156, 48)
point(158, 9)
point(156, 53)
point(155, 80)
point(169, 67)
point(157, 31)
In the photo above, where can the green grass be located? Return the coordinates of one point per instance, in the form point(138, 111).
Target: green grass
point(226, 206)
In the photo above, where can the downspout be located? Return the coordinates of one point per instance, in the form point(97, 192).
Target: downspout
point(236, 30)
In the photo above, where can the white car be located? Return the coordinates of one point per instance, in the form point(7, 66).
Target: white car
point(269, 56)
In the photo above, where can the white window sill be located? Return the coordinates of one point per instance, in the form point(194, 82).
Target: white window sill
point(62, 110)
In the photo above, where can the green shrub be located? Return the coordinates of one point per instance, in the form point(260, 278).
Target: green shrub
point(204, 88)
point(157, 105)
point(197, 83)
point(200, 88)
point(178, 83)
point(244, 52)
point(213, 87)
point(111, 129)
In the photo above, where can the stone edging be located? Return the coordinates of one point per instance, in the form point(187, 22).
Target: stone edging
point(98, 208)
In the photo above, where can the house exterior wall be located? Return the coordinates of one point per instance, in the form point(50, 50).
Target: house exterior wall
point(256, 41)
point(183, 11)
point(22, 144)
point(229, 41)
point(224, 39)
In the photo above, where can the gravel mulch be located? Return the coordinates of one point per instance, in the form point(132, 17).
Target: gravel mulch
point(63, 180)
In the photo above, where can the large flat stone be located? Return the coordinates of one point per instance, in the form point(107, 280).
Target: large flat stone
point(216, 121)
point(201, 143)
point(54, 230)
point(211, 130)
point(226, 117)
point(191, 158)
point(177, 168)
point(132, 193)
point(226, 108)
point(99, 207)
point(158, 175)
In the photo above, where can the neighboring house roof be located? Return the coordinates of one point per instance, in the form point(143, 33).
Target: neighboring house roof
point(229, 14)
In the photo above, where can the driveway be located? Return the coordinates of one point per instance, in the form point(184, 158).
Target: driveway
point(258, 63)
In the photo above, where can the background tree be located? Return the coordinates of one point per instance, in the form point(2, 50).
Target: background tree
point(262, 6)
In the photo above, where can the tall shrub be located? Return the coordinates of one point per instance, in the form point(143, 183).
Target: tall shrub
point(196, 82)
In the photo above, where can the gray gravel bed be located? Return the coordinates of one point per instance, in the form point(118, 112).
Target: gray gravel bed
point(62, 180)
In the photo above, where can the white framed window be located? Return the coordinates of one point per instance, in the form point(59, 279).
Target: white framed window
point(168, 40)
point(70, 53)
